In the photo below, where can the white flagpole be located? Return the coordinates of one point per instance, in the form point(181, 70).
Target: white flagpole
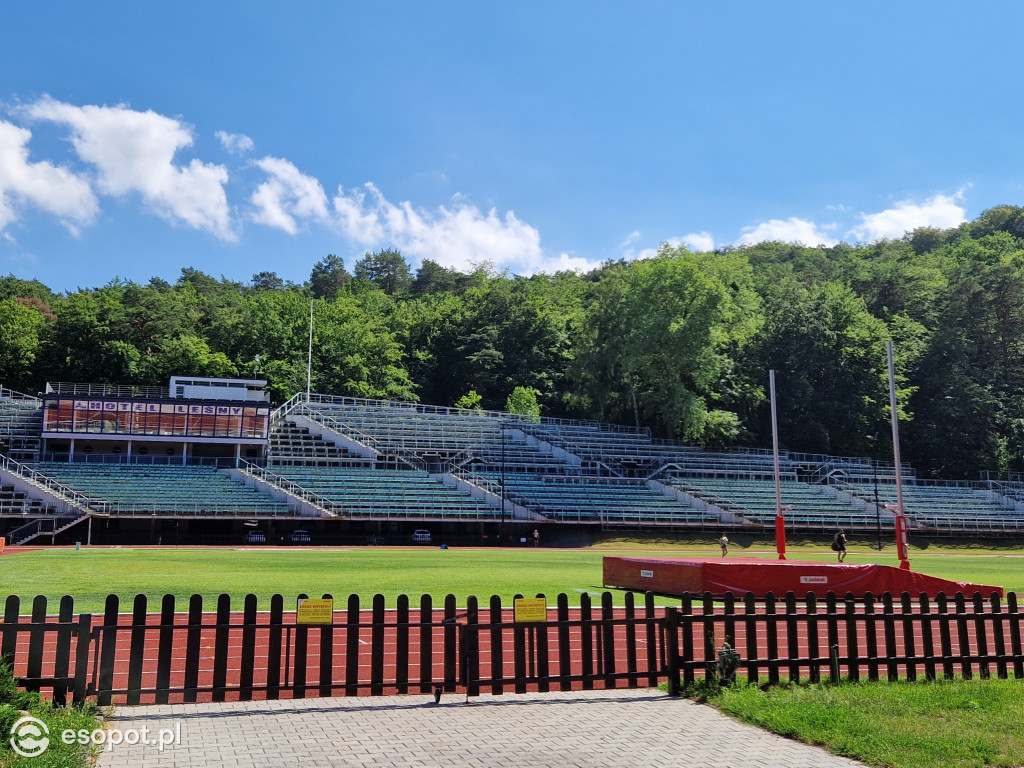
point(309, 361)
point(900, 520)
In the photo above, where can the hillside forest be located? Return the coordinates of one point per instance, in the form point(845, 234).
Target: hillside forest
point(681, 343)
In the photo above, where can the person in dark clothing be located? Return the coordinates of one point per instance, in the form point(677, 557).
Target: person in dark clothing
point(839, 545)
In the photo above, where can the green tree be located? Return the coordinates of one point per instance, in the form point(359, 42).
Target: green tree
point(523, 402)
point(387, 269)
point(328, 277)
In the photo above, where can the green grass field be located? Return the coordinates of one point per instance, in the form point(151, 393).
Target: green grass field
point(89, 575)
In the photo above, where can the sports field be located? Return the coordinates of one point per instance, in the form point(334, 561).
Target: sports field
point(89, 575)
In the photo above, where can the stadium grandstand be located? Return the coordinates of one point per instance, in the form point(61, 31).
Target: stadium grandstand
point(210, 460)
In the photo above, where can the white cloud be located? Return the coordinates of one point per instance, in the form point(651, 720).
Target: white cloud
point(288, 194)
point(134, 152)
point(792, 230)
point(43, 185)
point(235, 143)
point(699, 241)
point(939, 211)
point(456, 236)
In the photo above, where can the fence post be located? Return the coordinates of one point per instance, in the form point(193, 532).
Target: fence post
point(301, 654)
point(630, 615)
point(62, 658)
point(220, 647)
point(685, 624)
point(852, 640)
point(871, 630)
point(707, 620)
point(946, 643)
point(927, 639)
point(469, 648)
point(497, 636)
point(998, 635)
point(543, 663)
point(909, 648)
point(82, 659)
point(586, 644)
point(402, 644)
point(165, 650)
point(137, 649)
point(652, 640)
point(36, 641)
point(1015, 643)
point(772, 633)
point(352, 628)
point(426, 644)
point(451, 638)
point(274, 631)
point(963, 639)
point(792, 642)
point(12, 612)
point(193, 640)
point(671, 650)
point(750, 628)
point(377, 647)
point(812, 637)
point(108, 650)
point(248, 661)
point(981, 636)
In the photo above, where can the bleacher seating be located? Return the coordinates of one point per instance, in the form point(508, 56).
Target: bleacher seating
point(19, 426)
point(389, 493)
point(949, 507)
point(18, 503)
point(165, 489)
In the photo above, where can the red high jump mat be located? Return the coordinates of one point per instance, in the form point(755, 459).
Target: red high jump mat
point(742, 575)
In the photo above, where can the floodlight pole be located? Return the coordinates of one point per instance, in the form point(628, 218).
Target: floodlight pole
point(780, 521)
point(900, 518)
point(309, 359)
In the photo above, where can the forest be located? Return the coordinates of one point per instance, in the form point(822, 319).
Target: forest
point(681, 343)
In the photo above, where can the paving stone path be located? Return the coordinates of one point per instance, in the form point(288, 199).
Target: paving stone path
point(593, 729)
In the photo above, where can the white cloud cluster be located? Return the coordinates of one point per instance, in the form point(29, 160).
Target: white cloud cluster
point(124, 152)
point(287, 195)
point(235, 143)
point(939, 211)
point(53, 189)
point(791, 230)
point(134, 152)
point(451, 236)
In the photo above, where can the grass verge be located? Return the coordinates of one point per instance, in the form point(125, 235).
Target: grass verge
point(963, 723)
point(15, 704)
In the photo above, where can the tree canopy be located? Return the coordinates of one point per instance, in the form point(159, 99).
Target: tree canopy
point(681, 342)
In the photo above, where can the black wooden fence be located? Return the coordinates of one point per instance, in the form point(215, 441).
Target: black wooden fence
point(184, 653)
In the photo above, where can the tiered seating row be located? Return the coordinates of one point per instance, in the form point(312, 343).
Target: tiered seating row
point(812, 505)
point(591, 499)
point(14, 502)
point(165, 489)
point(948, 507)
point(292, 445)
point(389, 493)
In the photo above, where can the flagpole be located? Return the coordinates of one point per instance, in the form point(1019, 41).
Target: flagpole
point(900, 519)
point(780, 521)
point(309, 360)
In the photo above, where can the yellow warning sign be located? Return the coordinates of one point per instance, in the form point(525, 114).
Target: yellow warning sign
point(531, 609)
point(314, 611)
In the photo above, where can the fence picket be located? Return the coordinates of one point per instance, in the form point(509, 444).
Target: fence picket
point(62, 652)
point(108, 650)
point(165, 650)
point(220, 647)
point(137, 649)
point(193, 638)
point(352, 646)
point(248, 660)
point(274, 631)
point(377, 647)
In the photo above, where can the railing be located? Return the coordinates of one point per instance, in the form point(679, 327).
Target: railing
point(328, 506)
point(106, 390)
point(69, 498)
point(45, 525)
point(10, 394)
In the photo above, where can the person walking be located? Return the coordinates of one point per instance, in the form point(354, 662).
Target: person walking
point(839, 545)
point(536, 538)
point(724, 544)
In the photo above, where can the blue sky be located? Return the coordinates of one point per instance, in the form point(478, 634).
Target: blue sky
point(239, 137)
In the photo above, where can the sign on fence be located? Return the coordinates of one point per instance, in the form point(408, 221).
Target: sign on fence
point(531, 609)
point(314, 611)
